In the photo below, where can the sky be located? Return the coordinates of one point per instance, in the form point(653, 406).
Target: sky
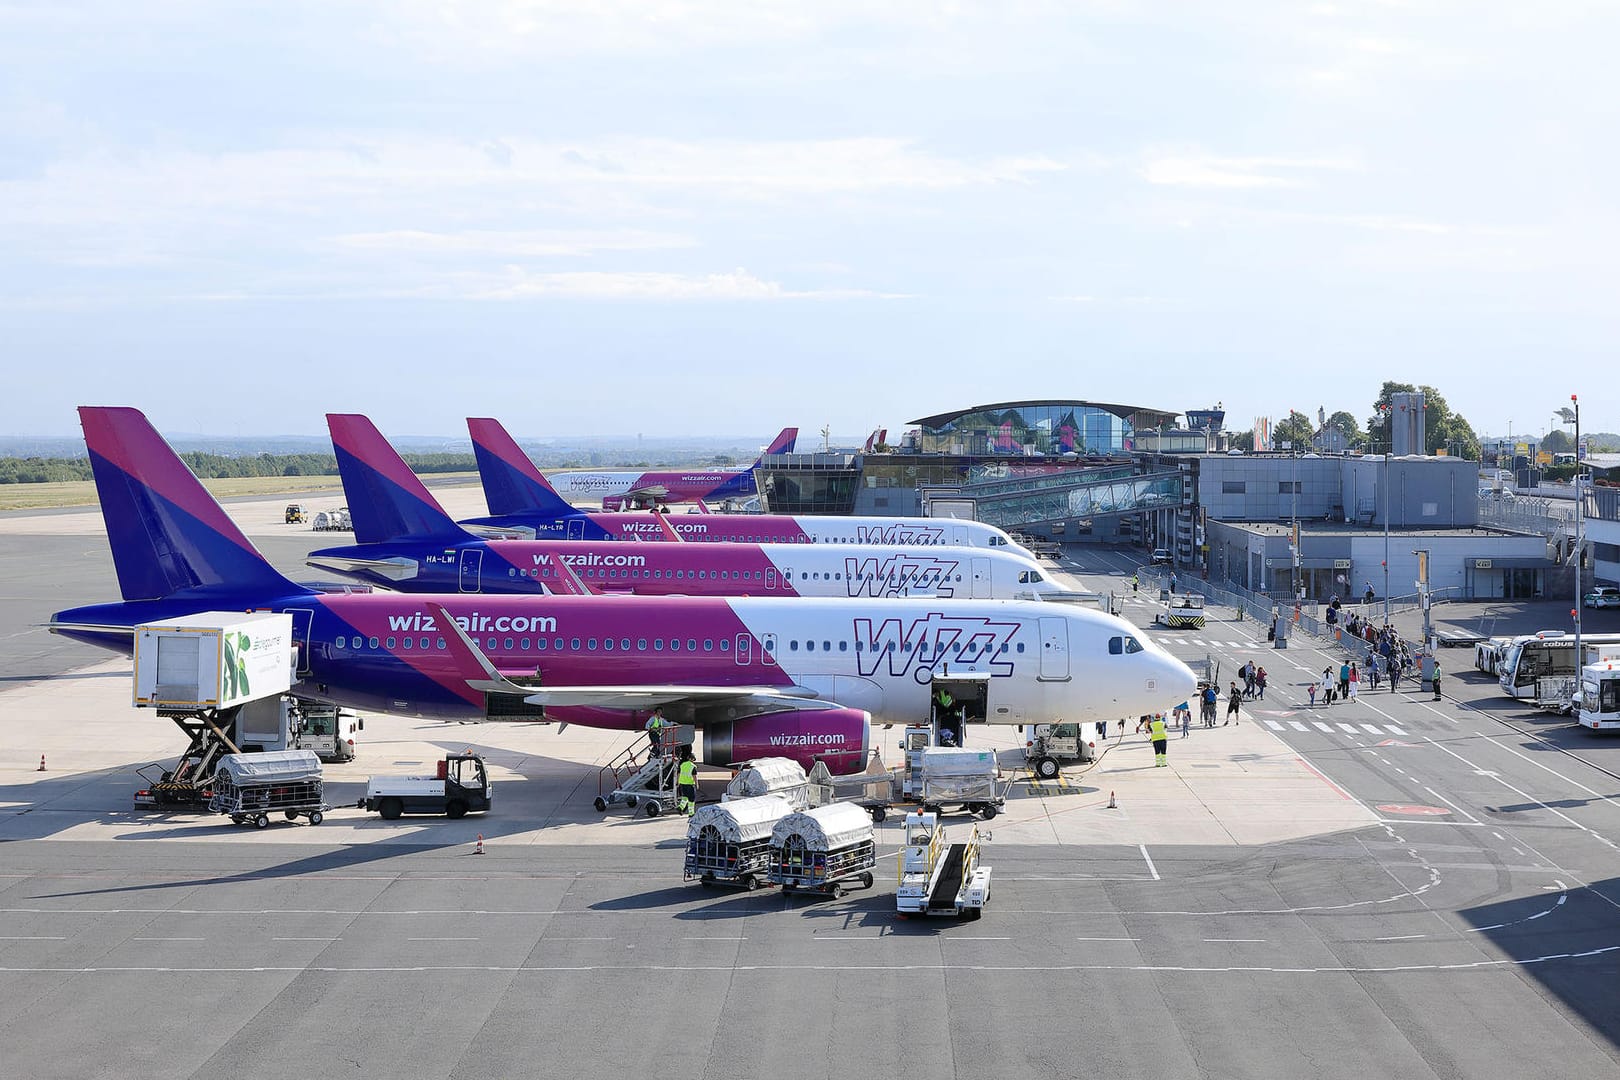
point(702, 217)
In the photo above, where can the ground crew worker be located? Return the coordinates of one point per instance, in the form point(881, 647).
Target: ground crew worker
point(686, 784)
point(1134, 583)
point(655, 732)
point(1437, 679)
point(1161, 744)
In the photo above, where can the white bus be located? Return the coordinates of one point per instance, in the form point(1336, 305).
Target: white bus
point(1546, 654)
point(1598, 707)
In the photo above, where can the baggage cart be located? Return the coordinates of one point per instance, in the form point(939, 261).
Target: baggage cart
point(951, 776)
point(822, 850)
point(730, 842)
point(782, 777)
point(254, 787)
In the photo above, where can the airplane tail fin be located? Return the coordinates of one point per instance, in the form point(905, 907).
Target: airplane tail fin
point(167, 533)
point(783, 443)
point(387, 501)
point(512, 485)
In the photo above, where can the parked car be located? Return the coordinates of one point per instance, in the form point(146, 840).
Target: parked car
point(1162, 555)
point(1602, 596)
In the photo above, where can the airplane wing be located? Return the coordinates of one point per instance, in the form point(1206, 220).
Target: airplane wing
point(482, 676)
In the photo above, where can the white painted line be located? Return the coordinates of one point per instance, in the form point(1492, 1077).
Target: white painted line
point(953, 937)
point(1432, 821)
point(1323, 727)
point(1297, 726)
point(1349, 729)
point(714, 939)
point(1393, 730)
point(1238, 940)
point(1451, 804)
point(1273, 725)
point(166, 939)
point(1371, 729)
point(442, 939)
point(1154, 870)
point(545, 939)
point(33, 938)
point(1105, 939)
point(1401, 937)
point(304, 939)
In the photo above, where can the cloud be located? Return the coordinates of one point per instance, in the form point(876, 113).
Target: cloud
point(1209, 171)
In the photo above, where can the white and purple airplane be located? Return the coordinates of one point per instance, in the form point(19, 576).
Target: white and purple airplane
point(619, 488)
point(799, 678)
point(406, 542)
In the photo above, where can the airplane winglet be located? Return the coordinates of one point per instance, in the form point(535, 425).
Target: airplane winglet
point(669, 530)
point(469, 659)
point(569, 583)
point(703, 507)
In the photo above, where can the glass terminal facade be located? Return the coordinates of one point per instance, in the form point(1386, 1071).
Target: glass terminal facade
point(1030, 429)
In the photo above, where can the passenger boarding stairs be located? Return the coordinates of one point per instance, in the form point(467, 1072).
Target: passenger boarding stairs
point(634, 777)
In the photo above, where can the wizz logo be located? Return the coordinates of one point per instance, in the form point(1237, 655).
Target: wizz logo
point(899, 534)
point(936, 639)
point(901, 575)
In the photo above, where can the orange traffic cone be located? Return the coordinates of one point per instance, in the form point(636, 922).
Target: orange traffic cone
point(1113, 804)
point(478, 849)
point(41, 764)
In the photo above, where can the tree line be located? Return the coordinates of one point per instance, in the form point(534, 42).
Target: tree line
point(39, 470)
point(1446, 431)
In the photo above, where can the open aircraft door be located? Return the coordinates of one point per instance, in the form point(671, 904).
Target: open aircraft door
point(472, 562)
point(1054, 650)
point(981, 578)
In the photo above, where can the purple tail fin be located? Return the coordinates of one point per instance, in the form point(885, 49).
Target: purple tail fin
point(167, 533)
point(386, 500)
point(512, 485)
point(783, 443)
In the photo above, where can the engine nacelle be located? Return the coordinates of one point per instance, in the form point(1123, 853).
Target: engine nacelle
point(840, 737)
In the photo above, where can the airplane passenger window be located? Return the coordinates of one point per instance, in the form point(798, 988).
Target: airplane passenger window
point(826, 646)
point(843, 646)
point(573, 643)
point(809, 646)
point(708, 645)
point(391, 643)
point(607, 644)
point(691, 644)
point(590, 644)
point(540, 644)
point(422, 644)
point(508, 644)
point(1020, 646)
point(439, 644)
point(511, 571)
point(373, 643)
point(793, 646)
point(491, 644)
point(725, 645)
point(407, 643)
point(674, 644)
point(641, 644)
point(624, 644)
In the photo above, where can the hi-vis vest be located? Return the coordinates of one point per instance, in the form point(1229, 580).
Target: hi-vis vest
point(688, 773)
point(1156, 728)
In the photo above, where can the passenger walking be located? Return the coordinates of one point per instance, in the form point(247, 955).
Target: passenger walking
point(1248, 679)
point(1211, 697)
point(1161, 744)
point(1327, 686)
point(1186, 720)
point(1344, 680)
point(1355, 681)
point(1312, 690)
point(1260, 683)
point(1233, 702)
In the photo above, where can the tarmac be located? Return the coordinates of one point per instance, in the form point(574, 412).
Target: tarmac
point(1389, 887)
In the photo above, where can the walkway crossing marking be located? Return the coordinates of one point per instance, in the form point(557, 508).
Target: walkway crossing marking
point(1273, 725)
point(1349, 729)
point(1297, 726)
point(1394, 730)
point(1371, 730)
point(1323, 727)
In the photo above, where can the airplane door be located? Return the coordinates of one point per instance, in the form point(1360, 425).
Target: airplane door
point(576, 528)
point(472, 561)
point(981, 578)
point(1054, 650)
point(767, 648)
point(745, 649)
point(959, 536)
point(302, 620)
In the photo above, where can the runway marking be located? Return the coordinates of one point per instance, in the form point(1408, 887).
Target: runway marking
point(1531, 798)
point(1393, 730)
point(1402, 937)
point(1273, 725)
point(1154, 870)
point(305, 939)
point(1349, 729)
point(954, 938)
point(1296, 725)
point(1324, 778)
point(1328, 728)
point(1451, 804)
point(34, 937)
point(442, 939)
point(1371, 729)
point(166, 939)
point(720, 937)
point(1236, 940)
point(1107, 939)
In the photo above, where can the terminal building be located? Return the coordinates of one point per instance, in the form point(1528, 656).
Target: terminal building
point(1080, 471)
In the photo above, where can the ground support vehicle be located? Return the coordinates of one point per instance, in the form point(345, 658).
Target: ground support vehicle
point(873, 791)
point(458, 786)
point(256, 787)
point(782, 777)
point(823, 849)
point(1488, 653)
point(937, 878)
point(1598, 707)
point(637, 777)
point(1181, 611)
point(729, 842)
point(1054, 744)
point(327, 730)
point(333, 520)
point(295, 514)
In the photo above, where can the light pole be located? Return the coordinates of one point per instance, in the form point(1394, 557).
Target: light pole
point(1388, 445)
point(1572, 415)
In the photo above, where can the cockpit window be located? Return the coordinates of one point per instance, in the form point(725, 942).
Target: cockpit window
point(1123, 644)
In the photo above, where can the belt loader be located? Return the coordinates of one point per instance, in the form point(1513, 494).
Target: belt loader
point(937, 878)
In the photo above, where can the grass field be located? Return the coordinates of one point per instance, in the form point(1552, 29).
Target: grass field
point(83, 492)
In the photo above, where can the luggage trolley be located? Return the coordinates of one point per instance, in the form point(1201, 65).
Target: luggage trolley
point(251, 787)
point(730, 842)
point(822, 850)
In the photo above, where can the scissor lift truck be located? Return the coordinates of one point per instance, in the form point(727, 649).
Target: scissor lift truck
point(937, 878)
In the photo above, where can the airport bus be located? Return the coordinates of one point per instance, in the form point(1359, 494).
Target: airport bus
point(1598, 707)
point(1547, 654)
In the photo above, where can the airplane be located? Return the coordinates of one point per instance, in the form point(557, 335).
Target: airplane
point(799, 678)
point(405, 541)
point(620, 489)
point(521, 502)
